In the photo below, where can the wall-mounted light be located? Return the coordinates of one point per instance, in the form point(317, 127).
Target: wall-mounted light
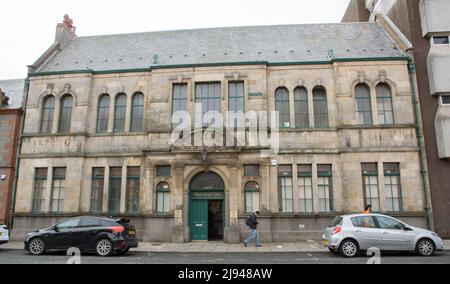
point(204, 155)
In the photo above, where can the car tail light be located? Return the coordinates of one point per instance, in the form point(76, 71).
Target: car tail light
point(117, 229)
point(337, 230)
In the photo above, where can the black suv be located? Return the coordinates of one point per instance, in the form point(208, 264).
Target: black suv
point(88, 234)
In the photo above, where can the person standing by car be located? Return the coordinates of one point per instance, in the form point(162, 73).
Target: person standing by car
point(368, 209)
point(252, 223)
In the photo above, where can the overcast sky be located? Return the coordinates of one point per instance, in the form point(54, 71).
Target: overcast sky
point(27, 27)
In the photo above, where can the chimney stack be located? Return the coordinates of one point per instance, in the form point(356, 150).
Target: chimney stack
point(65, 32)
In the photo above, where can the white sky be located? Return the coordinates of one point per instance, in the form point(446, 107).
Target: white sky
point(27, 27)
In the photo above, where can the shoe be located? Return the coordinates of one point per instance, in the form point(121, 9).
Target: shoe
point(258, 246)
point(245, 244)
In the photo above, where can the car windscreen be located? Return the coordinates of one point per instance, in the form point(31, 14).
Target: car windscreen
point(336, 222)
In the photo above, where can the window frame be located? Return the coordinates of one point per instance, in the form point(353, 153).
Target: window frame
point(252, 191)
point(93, 191)
point(65, 115)
point(181, 100)
point(47, 115)
point(119, 121)
point(110, 189)
point(300, 176)
point(317, 114)
point(128, 200)
point(433, 41)
point(282, 189)
point(99, 113)
point(165, 193)
point(256, 166)
point(389, 175)
point(363, 96)
point(298, 104)
point(61, 190)
point(384, 97)
point(285, 104)
point(137, 122)
point(365, 174)
point(216, 98)
point(42, 189)
point(235, 96)
point(329, 176)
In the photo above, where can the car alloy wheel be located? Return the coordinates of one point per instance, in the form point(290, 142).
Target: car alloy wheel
point(37, 247)
point(349, 248)
point(425, 248)
point(104, 247)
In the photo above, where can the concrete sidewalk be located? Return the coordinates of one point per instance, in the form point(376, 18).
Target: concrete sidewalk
point(219, 247)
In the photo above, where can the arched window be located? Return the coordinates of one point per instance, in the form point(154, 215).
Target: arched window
point(103, 114)
point(363, 105)
point(65, 115)
point(252, 191)
point(120, 112)
point(385, 107)
point(137, 113)
point(282, 107)
point(163, 197)
point(48, 108)
point(320, 108)
point(301, 108)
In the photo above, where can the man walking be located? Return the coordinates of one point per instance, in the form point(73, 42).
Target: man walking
point(252, 223)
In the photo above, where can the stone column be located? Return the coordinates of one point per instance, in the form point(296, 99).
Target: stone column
point(48, 191)
point(106, 190)
point(123, 190)
point(232, 232)
point(177, 200)
point(147, 190)
point(274, 204)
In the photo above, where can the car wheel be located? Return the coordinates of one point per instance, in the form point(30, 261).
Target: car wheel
point(349, 248)
point(425, 247)
point(104, 247)
point(36, 246)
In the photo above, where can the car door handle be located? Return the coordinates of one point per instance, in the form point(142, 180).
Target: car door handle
point(358, 231)
point(385, 233)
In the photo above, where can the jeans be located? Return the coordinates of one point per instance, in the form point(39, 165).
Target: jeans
point(254, 235)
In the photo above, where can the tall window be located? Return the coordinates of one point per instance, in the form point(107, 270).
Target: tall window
point(325, 183)
point(320, 108)
point(58, 190)
point(304, 180)
point(120, 112)
point(115, 185)
point(370, 185)
point(236, 96)
point(40, 184)
point(133, 185)
point(385, 107)
point(179, 99)
point(47, 114)
point(285, 188)
point(251, 197)
point(103, 114)
point(363, 105)
point(162, 198)
point(98, 182)
point(65, 115)
point(137, 113)
point(209, 96)
point(393, 187)
point(301, 108)
point(282, 107)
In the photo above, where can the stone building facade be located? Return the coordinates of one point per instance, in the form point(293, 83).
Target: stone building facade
point(98, 130)
point(11, 92)
point(426, 25)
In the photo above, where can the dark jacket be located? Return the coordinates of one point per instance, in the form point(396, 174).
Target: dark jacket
point(253, 224)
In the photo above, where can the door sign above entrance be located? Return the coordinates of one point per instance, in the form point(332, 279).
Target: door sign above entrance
point(208, 195)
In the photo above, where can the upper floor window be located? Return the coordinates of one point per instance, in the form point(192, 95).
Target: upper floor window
point(236, 96)
point(385, 107)
point(179, 99)
point(120, 112)
point(65, 115)
point(209, 96)
point(137, 113)
point(301, 108)
point(441, 40)
point(445, 99)
point(47, 114)
point(282, 107)
point(103, 114)
point(363, 105)
point(320, 108)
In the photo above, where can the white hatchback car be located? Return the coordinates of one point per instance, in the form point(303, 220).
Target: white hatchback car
point(4, 234)
point(349, 234)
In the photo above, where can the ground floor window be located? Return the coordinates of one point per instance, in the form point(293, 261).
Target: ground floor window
point(98, 182)
point(370, 185)
point(285, 188)
point(163, 198)
point(58, 190)
point(115, 185)
point(325, 184)
point(304, 180)
point(133, 185)
point(252, 197)
point(40, 184)
point(392, 187)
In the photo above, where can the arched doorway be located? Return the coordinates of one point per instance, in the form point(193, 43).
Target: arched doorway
point(206, 207)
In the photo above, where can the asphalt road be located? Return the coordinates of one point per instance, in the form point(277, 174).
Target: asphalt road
point(21, 257)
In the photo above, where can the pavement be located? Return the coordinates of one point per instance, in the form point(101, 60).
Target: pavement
point(220, 247)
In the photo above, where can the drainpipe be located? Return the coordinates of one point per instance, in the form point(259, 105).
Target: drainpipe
point(19, 148)
point(420, 139)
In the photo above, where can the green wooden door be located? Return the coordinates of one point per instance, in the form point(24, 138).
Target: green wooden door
point(199, 220)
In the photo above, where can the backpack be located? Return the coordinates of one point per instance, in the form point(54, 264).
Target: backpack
point(249, 221)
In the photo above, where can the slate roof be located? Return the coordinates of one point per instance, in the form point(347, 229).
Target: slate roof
point(272, 44)
point(14, 90)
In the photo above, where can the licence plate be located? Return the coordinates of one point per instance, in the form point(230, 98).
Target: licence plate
point(326, 243)
point(132, 233)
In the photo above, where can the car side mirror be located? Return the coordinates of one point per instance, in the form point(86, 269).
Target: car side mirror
point(408, 229)
point(55, 228)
